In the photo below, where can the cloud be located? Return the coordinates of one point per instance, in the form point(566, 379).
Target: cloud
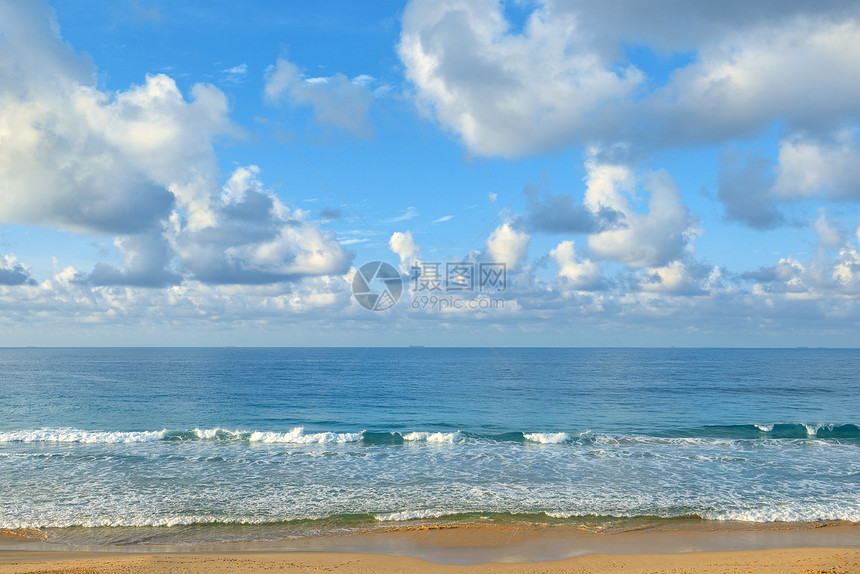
point(507, 245)
point(584, 275)
point(752, 188)
point(745, 190)
point(235, 75)
point(828, 235)
point(410, 213)
point(651, 239)
point(794, 71)
point(674, 278)
point(512, 93)
point(145, 261)
point(443, 219)
point(13, 272)
point(809, 167)
point(138, 164)
point(560, 213)
point(336, 101)
point(330, 213)
point(404, 246)
point(502, 93)
point(255, 239)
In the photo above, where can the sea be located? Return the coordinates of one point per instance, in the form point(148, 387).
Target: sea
point(191, 445)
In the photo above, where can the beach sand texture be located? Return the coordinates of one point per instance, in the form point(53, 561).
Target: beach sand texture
point(776, 561)
point(459, 549)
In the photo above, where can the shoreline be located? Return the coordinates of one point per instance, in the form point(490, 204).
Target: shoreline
point(827, 546)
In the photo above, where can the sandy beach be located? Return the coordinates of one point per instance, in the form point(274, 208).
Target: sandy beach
point(793, 548)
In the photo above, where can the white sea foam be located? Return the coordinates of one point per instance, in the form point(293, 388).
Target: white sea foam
point(634, 440)
point(81, 436)
point(409, 515)
point(547, 437)
point(437, 437)
point(794, 513)
point(298, 436)
point(209, 434)
point(764, 428)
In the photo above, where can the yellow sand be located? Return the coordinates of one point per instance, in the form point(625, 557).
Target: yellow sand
point(511, 549)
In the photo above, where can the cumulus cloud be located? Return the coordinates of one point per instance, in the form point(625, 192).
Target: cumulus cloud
point(828, 235)
point(584, 275)
point(404, 246)
point(146, 258)
point(745, 189)
point(255, 239)
point(12, 272)
point(675, 278)
point(88, 161)
point(336, 101)
point(139, 165)
point(752, 188)
point(561, 213)
point(509, 93)
point(507, 245)
point(807, 167)
point(794, 72)
point(650, 239)
point(502, 93)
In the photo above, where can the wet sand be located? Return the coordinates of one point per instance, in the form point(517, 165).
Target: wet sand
point(691, 547)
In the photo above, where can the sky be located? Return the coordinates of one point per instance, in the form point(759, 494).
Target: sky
point(550, 173)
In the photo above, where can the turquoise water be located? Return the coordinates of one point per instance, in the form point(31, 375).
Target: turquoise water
point(148, 444)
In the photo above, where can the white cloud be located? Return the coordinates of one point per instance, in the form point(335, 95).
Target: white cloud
point(443, 219)
point(581, 275)
point(234, 75)
point(673, 278)
point(512, 93)
point(507, 245)
point(255, 239)
point(137, 164)
point(807, 167)
point(651, 239)
point(796, 71)
point(502, 93)
point(828, 236)
point(754, 188)
point(410, 213)
point(12, 272)
point(404, 246)
point(336, 101)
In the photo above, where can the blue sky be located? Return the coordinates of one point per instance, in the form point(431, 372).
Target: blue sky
point(215, 173)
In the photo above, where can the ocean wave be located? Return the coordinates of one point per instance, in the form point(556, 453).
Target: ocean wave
point(81, 436)
point(437, 437)
point(713, 435)
point(783, 430)
point(795, 513)
point(298, 436)
point(405, 515)
point(547, 438)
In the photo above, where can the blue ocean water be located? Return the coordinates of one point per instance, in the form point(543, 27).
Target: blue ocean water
point(130, 445)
